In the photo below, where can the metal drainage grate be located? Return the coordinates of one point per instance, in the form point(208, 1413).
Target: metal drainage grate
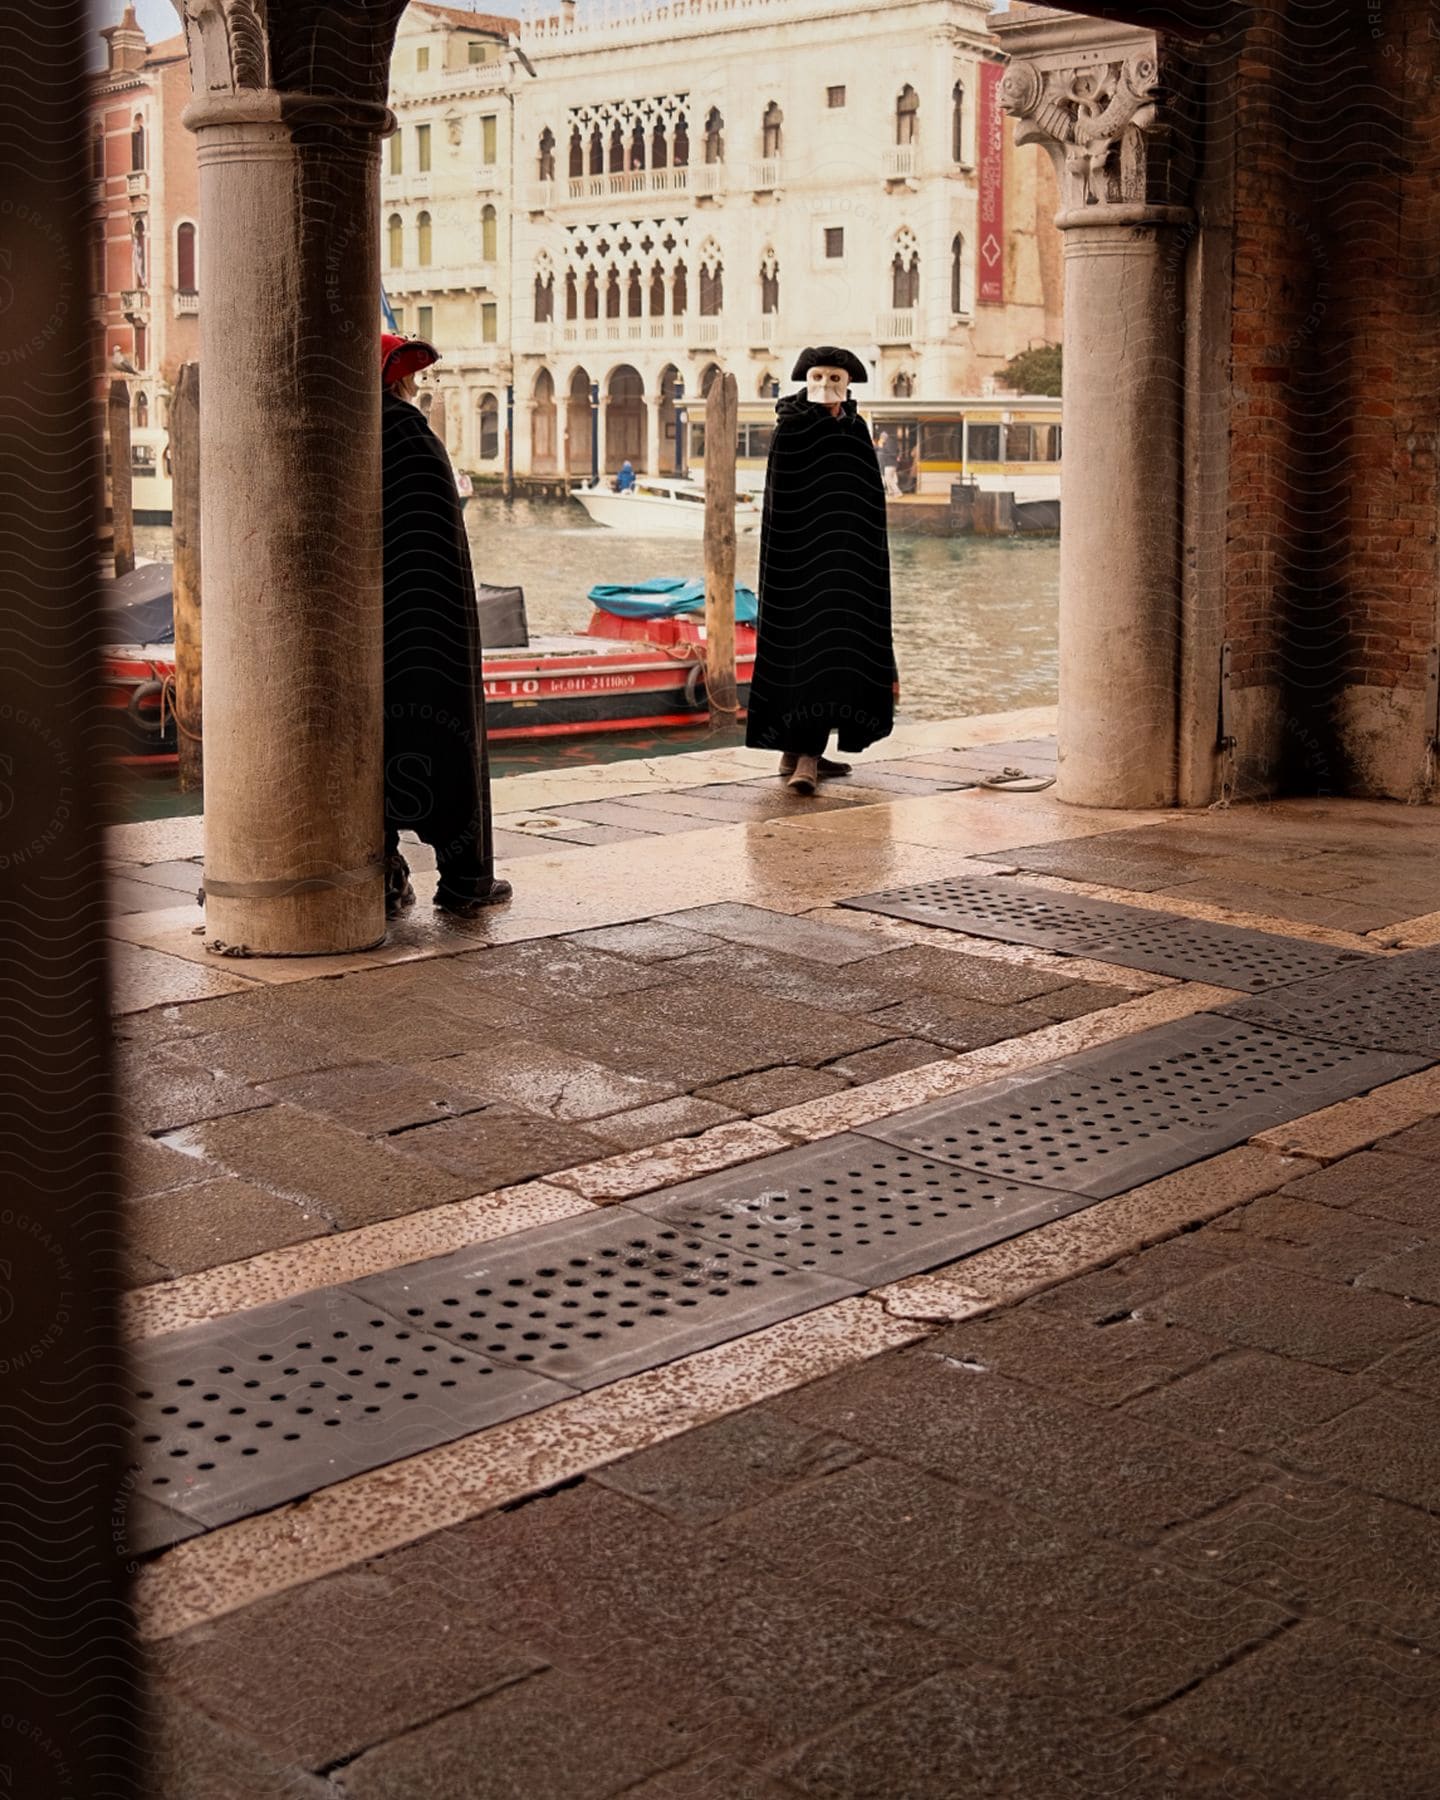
point(1110, 1119)
point(998, 909)
point(284, 1399)
point(856, 1208)
point(1135, 937)
point(590, 1299)
point(1392, 1003)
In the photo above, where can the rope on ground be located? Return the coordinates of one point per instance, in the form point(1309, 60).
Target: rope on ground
point(1016, 781)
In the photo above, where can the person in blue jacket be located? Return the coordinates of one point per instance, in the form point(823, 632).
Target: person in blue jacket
point(625, 480)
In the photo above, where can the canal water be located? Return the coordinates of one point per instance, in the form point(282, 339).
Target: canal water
point(974, 621)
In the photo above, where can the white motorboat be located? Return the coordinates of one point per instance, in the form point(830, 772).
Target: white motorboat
point(660, 507)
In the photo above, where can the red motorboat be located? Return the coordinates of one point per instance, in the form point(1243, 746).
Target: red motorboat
point(633, 673)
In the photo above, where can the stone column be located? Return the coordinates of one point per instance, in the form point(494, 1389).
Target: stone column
point(288, 110)
point(1095, 96)
point(655, 436)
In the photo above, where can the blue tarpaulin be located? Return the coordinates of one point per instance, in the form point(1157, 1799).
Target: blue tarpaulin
point(664, 597)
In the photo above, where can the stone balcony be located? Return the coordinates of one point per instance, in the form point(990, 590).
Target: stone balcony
point(901, 163)
point(620, 331)
point(445, 278)
point(137, 188)
point(896, 327)
point(135, 303)
point(187, 303)
point(761, 332)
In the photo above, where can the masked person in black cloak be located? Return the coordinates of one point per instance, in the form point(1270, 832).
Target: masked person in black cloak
point(437, 769)
point(824, 660)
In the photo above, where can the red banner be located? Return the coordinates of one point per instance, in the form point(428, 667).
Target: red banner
point(990, 133)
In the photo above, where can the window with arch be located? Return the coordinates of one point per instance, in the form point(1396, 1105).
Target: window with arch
point(657, 292)
point(424, 239)
point(957, 122)
point(487, 234)
point(959, 285)
point(547, 154)
point(682, 143)
point(770, 130)
point(905, 272)
point(712, 281)
point(489, 428)
point(659, 149)
point(769, 282)
point(617, 151)
point(612, 294)
point(395, 240)
point(637, 146)
point(708, 376)
point(597, 152)
point(634, 294)
point(769, 385)
point(577, 154)
point(903, 386)
point(543, 422)
point(679, 292)
point(138, 247)
point(97, 154)
point(185, 261)
point(592, 294)
point(572, 295)
point(137, 142)
point(907, 115)
point(714, 136)
point(545, 299)
point(142, 411)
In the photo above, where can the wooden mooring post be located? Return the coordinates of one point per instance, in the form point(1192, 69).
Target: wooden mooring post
point(185, 514)
point(721, 408)
point(122, 504)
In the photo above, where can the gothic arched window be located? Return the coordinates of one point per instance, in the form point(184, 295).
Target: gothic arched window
point(423, 234)
point(547, 155)
point(659, 150)
point(657, 292)
point(395, 233)
point(634, 294)
point(679, 292)
point(617, 151)
point(712, 290)
point(572, 296)
point(907, 115)
point(957, 274)
point(612, 294)
point(544, 299)
point(682, 143)
point(637, 147)
point(770, 131)
point(185, 258)
point(957, 122)
point(592, 295)
point(597, 152)
point(137, 142)
point(769, 283)
point(577, 155)
point(714, 136)
point(903, 387)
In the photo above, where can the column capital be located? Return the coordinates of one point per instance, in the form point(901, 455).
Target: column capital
point(1105, 102)
point(247, 49)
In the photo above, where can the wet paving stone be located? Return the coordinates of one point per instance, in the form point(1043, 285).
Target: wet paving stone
point(1389, 1444)
point(1296, 1315)
point(347, 1178)
point(1101, 1364)
point(780, 931)
point(1093, 1469)
point(555, 1736)
point(376, 1098)
point(719, 1469)
point(326, 1671)
point(681, 1117)
point(960, 1729)
point(1385, 1186)
point(537, 1078)
point(215, 1222)
point(263, 1052)
point(187, 1756)
point(771, 1089)
point(158, 1090)
point(731, 967)
point(920, 972)
point(958, 1024)
point(1250, 1400)
point(1317, 1548)
point(648, 940)
point(550, 975)
point(151, 1168)
point(1317, 1240)
point(496, 1148)
point(1322, 1713)
point(745, 1661)
point(1086, 1621)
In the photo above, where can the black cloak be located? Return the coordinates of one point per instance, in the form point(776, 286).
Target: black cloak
point(437, 771)
point(824, 659)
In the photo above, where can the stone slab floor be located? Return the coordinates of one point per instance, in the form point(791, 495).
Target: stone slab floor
point(1143, 1503)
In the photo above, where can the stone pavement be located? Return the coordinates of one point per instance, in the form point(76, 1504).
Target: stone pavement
point(1140, 1502)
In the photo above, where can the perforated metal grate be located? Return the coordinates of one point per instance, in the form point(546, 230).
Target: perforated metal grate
point(1392, 1003)
point(588, 1300)
point(998, 909)
point(285, 1399)
point(1135, 937)
point(854, 1207)
point(1113, 1118)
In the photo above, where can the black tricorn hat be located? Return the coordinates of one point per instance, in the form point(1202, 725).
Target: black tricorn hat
point(826, 356)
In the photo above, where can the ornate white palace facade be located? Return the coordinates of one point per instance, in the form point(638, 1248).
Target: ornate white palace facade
point(587, 212)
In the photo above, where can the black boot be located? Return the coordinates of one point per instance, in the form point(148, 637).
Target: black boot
point(469, 905)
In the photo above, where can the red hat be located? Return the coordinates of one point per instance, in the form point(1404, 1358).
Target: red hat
point(402, 356)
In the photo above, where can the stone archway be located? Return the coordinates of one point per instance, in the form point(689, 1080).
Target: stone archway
point(624, 418)
point(542, 425)
point(665, 447)
point(577, 424)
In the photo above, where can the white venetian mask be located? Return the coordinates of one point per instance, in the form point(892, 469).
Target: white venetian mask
point(826, 387)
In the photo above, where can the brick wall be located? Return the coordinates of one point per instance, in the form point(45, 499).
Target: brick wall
point(1335, 336)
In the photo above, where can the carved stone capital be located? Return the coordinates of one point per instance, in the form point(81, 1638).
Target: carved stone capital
point(1107, 104)
point(325, 49)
